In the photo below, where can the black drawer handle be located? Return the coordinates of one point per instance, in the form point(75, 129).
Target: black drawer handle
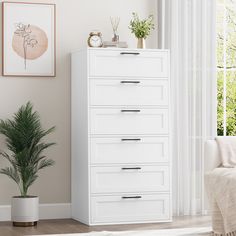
point(131, 168)
point(130, 53)
point(130, 110)
point(131, 197)
point(130, 139)
point(129, 82)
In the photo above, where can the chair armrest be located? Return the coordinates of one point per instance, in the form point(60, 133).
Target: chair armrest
point(211, 155)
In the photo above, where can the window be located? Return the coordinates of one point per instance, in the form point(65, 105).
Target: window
point(226, 67)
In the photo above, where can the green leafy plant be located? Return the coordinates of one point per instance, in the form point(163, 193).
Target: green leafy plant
point(141, 28)
point(24, 136)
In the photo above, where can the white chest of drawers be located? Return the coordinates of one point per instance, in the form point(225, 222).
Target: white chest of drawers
point(121, 164)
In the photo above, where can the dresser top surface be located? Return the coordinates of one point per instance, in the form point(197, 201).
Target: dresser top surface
point(120, 49)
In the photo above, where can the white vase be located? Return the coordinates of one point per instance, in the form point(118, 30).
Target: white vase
point(25, 211)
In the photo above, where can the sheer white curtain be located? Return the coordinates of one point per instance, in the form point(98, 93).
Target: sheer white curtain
point(188, 30)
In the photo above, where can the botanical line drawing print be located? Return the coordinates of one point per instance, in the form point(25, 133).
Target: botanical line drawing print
point(29, 42)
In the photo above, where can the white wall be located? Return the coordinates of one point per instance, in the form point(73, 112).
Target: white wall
point(51, 96)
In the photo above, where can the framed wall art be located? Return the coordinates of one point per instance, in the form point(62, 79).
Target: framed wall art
point(28, 39)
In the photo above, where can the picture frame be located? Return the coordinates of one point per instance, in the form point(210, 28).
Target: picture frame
point(28, 39)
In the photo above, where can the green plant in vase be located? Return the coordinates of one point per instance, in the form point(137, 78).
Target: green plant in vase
point(24, 140)
point(141, 28)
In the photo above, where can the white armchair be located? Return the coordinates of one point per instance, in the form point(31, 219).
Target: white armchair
point(221, 204)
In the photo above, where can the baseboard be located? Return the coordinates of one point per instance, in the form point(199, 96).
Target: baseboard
point(5, 213)
point(46, 211)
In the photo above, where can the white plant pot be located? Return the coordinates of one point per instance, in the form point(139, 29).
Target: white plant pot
point(25, 211)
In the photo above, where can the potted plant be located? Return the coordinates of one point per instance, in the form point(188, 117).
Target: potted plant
point(24, 140)
point(141, 28)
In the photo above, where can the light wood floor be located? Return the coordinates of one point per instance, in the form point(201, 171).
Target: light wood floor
point(71, 226)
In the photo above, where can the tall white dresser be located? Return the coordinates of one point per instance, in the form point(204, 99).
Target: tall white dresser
point(121, 163)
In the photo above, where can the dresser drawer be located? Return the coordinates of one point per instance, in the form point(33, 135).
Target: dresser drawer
point(128, 63)
point(129, 92)
point(129, 150)
point(128, 178)
point(140, 208)
point(129, 121)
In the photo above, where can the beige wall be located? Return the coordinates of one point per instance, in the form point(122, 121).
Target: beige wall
point(51, 97)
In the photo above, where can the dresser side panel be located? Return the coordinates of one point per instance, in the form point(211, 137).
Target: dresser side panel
point(79, 137)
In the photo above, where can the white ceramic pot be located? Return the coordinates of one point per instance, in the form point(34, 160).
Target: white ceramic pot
point(25, 211)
